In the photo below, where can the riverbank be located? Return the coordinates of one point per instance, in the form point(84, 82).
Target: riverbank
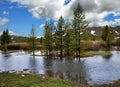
point(31, 80)
point(38, 80)
point(82, 55)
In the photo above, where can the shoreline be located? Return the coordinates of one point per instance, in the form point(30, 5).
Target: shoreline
point(14, 79)
point(85, 54)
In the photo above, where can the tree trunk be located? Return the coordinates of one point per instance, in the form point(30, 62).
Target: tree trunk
point(79, 44)
point(33, 49)
point(61, 47)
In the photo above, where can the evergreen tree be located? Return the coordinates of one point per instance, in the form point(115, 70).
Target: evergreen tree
point(107, 36)
point(105, 33)
point(60, 27)
point(80, 26)
point(5, 40)
point(8, 40)
point(32, 41)
point(68, 39)
point(108, 41)
point(56, 43)
point(48, 39)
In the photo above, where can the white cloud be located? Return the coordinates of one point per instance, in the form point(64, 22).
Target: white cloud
point(96, 19)
point(5, 13)
point(3, 21)
point(41, 8)
point(42, 26)
point(39, 36)
point(14, 33)
point(116, 13)
point(95, 10)
point(108, 5)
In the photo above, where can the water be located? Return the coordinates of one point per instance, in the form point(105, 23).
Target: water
point(96, 69)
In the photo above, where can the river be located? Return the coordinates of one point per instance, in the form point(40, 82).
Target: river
point(94, 70)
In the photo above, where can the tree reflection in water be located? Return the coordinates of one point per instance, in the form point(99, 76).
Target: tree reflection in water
point(107, 57)
point(65, 69)
point(33, 65)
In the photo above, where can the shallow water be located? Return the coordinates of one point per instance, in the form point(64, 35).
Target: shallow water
point(96, 69)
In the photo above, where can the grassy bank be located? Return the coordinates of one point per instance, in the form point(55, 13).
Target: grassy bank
point(30, 80)
point(93, 53)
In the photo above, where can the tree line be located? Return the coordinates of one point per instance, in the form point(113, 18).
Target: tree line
point(65, 38)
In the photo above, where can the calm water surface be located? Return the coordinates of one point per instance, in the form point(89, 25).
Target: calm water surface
point(96, 69)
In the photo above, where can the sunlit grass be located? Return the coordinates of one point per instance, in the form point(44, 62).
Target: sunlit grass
point(93, 53)
point(31, 80)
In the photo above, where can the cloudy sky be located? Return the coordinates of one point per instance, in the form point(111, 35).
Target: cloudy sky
point(19, 15)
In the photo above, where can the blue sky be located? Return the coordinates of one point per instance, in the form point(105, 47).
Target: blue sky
point(19, 15)
point(20, 20)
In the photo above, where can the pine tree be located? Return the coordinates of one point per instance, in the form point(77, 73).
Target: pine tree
point(107, 36)
point(80, 26)
point(5, 40)
point(68, 39)
point(60, 27)
point(31, 41)
point(8, 40)
point(48, 38)
point(105, 33)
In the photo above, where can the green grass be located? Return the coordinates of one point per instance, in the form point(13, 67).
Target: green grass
point(92, 53)
point(31, 80)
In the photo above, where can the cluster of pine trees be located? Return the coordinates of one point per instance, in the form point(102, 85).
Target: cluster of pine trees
point(65, 38)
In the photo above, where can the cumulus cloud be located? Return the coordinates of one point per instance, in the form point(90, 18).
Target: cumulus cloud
point(95, 10)
point(3, 21)
point(42, 8)
point(116, 13)
point(108, 5)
